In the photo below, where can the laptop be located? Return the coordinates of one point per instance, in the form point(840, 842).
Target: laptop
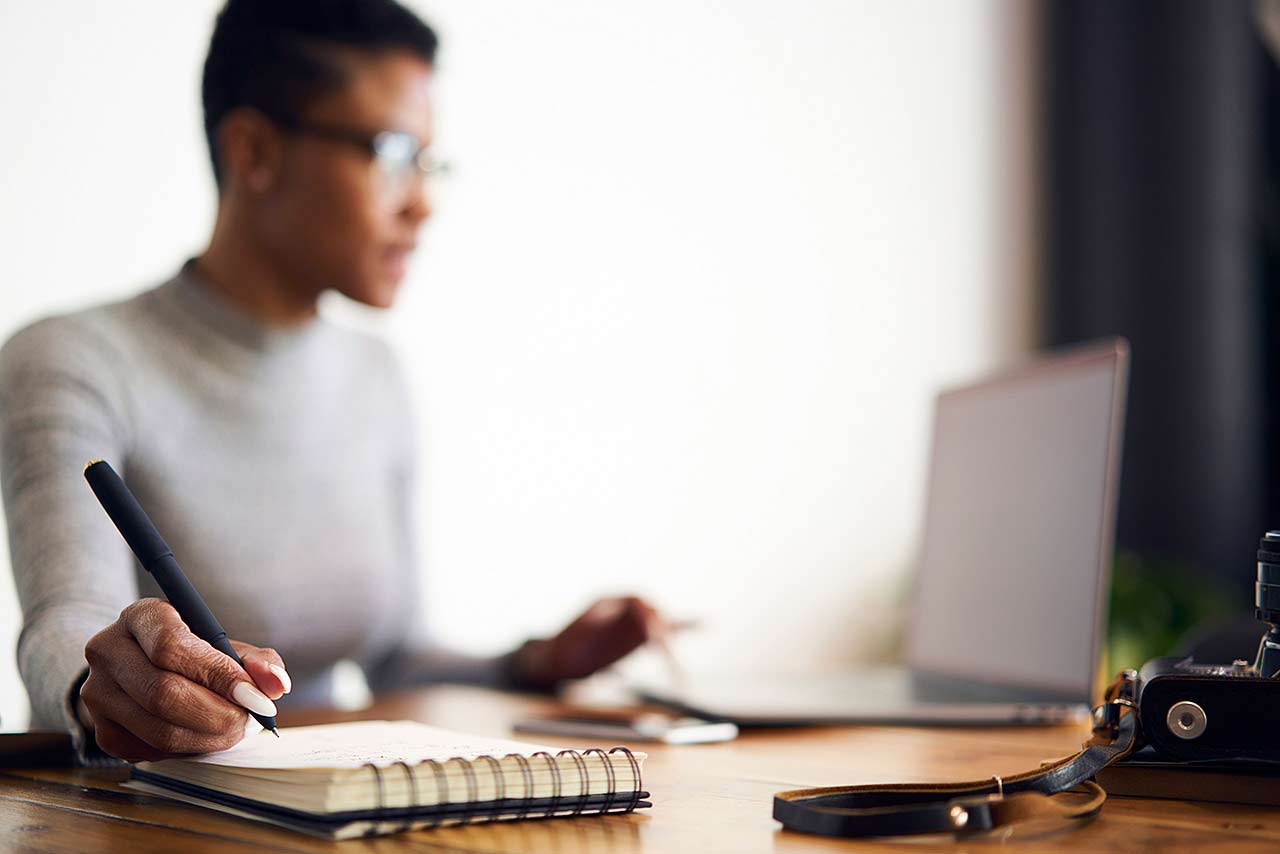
point(1009, 603)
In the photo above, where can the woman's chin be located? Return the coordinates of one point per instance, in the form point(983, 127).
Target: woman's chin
point(375, 294)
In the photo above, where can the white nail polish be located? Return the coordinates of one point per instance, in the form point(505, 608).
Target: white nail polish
point(282, 675)
point(253, 699)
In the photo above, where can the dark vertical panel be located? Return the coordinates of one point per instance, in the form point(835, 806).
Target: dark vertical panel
point(1153, 164)
point(1267, 217)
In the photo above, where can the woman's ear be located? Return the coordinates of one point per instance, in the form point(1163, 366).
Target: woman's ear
point(250, 148)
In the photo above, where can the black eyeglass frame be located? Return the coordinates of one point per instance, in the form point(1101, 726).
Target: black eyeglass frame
point(388, 148)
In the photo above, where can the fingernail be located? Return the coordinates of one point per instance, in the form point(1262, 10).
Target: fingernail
point(282, 675)
point(253, 699)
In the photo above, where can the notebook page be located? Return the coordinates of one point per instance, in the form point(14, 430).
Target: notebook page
point(351, 745)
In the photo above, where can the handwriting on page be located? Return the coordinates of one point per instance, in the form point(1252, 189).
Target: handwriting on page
point(351, 745)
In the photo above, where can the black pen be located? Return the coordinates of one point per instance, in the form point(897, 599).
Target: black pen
point(157, 558)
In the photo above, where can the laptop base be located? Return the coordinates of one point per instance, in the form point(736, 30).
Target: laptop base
point(869, 696)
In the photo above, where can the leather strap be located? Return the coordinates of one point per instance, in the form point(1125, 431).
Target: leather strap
point(1061, 790)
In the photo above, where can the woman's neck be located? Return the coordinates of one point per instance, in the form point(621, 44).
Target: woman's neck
point(235, 267)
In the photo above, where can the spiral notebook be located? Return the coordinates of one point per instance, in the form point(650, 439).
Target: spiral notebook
point(339, 781)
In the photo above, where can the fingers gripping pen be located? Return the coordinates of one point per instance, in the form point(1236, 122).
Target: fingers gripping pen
point(157, 558)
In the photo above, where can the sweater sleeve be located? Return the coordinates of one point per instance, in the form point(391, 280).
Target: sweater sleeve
point(61, 405)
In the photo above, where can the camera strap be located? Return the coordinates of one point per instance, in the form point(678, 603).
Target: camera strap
point(1062, 790)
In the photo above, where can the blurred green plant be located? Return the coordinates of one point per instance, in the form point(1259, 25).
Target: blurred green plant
point(1154, 603)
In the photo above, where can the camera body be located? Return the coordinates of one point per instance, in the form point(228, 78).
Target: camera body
point(1192, 711)
point(1196, 712)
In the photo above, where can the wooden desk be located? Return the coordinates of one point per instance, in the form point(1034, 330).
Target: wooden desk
point(707, 798)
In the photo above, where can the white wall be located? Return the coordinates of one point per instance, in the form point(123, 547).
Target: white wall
point(679, 316)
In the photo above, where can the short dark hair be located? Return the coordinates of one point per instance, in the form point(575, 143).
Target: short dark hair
point(277, 55)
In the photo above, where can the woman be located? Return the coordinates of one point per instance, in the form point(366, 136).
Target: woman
point(273, 449)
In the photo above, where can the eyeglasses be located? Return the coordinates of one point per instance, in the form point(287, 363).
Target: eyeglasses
point(398, 155)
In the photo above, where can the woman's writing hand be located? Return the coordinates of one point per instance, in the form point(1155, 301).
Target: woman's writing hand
point(155, 689)
point(604, 633)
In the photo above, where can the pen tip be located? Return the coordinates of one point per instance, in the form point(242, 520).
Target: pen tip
point(274, 732)
point(91, 464)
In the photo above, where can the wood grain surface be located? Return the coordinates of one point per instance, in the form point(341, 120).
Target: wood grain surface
point(707, 798)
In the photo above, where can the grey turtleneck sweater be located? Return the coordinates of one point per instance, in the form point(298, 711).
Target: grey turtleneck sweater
point(278, 465)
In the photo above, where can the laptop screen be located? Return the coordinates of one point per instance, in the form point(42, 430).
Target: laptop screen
point(1015, 565)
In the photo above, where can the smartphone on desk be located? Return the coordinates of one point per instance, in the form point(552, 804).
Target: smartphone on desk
point(629, 726)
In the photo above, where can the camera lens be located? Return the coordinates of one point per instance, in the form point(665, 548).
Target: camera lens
point(1267, 596)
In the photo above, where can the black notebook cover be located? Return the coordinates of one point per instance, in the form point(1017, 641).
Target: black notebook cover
point(328, 824)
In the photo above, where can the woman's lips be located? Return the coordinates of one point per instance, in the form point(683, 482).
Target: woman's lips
point(396, 260)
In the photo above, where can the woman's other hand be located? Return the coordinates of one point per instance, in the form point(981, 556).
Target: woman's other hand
point(601, 635)
point(156, 690)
